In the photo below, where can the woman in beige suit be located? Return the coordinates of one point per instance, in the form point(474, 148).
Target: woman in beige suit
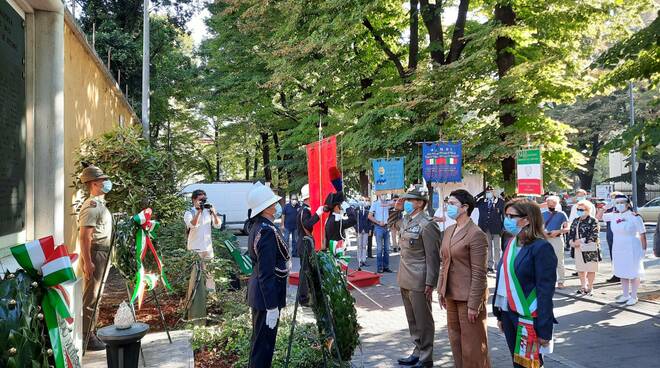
point(462, 285)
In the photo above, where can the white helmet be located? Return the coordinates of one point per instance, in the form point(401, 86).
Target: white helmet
point(304, 192)
point(260, 197)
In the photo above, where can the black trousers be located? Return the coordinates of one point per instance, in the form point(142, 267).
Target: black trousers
point(262, 343)
point(510, 327)
point(370, 243)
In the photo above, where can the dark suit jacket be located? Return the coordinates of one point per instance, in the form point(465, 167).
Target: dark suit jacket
point(536, 267)
point(306, 221)
point(490, 218)
point(335, 230)
point(269, 252)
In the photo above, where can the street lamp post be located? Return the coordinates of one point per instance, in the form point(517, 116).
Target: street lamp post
point(633, 153)
point(145, 72)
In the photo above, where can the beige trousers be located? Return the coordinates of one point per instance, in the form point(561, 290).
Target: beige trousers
point(558, 246)
point(469, 341)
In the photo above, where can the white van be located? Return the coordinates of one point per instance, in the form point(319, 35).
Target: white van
point(229, 198)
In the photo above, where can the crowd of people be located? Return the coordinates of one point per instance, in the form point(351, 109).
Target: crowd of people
point(521, 242)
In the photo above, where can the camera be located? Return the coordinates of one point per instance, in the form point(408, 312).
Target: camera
point(203, 204)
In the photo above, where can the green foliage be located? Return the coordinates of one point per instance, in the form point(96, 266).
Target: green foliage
point(282, 67)
point(171, 244)
point(634, 58)
point(330, 293)
point(231, 341)
point(142, 176)
point(20, 329)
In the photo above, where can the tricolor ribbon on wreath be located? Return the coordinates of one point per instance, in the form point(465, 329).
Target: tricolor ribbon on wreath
point(51, 267)
point(143, 240)
point(338, 250)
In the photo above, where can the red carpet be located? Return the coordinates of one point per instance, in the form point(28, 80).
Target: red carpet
point(360, 279)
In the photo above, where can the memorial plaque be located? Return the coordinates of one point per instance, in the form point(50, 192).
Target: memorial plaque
point(12, 120)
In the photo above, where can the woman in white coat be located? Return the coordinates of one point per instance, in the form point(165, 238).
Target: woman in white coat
point(628, 248)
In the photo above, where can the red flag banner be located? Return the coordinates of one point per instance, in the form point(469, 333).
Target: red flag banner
point(321, 156)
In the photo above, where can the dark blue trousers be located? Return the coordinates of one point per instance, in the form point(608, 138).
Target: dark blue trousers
point(510, 326)
point(262, 343)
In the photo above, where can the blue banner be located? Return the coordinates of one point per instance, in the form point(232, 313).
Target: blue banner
point(441, 162)
point(388, 174)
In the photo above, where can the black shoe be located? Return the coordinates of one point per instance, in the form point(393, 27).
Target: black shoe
point(613, 279)
point(370, 256)
point(387, 270)
point(95, 344)
point(423, 365)
point(574, 274)
point(359, 269)
point(411, 360)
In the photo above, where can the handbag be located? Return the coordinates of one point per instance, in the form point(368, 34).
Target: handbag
point(589, 247)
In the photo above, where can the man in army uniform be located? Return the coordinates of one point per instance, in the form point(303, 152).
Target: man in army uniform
point(95, 223)
point(418, 274)
point(271, 263)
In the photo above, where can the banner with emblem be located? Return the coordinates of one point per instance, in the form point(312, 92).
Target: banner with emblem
point(529, 168)
point(388, 175)
point(321, 156)
point(442, 162)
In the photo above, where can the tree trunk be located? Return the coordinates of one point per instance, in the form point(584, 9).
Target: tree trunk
point(587, 176)
point(505, 61)
point(458, 37)
point(280, 168)
point(217, 151)
point(265, 155)
point(413, 49)
point(255, 166)
point(364, 183)
point(247, 165)
point(641, 183)
point(431, 15)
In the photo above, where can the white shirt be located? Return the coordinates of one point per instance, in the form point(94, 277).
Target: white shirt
point(448, 221)
point(199, 238)
point(380, 210)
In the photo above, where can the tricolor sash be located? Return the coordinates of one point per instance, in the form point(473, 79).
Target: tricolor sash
point(51, 267)
point(526, 351)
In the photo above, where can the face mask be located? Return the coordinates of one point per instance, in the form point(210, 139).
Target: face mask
point(294, 202)
point(408, 207)
point(580, 198)
point(452, 211)
point(551, 209)
point(489, 195)
point(278, 210)
point(511, 226)
point(107, 186)
point(620, 207)
point(580, 213)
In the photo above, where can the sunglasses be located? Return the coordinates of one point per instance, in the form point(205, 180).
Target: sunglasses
point(512, 216)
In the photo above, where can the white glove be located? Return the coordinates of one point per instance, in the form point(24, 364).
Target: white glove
point(272, 315)
point(319, 211)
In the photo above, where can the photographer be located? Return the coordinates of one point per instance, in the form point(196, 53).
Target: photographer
point(199, 220)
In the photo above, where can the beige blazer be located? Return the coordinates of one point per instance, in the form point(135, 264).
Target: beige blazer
point(464, 265)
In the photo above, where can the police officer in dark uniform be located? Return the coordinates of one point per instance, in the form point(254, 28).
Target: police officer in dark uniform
point(271, 263)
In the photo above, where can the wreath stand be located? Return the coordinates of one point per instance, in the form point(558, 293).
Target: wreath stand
point(308, 243)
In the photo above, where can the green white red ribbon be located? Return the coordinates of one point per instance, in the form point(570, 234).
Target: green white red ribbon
point(51, 267)
point(338, 250)
point(143, 241)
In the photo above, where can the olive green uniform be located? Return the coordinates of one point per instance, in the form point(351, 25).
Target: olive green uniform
point(418, 268)
point(94, 213)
